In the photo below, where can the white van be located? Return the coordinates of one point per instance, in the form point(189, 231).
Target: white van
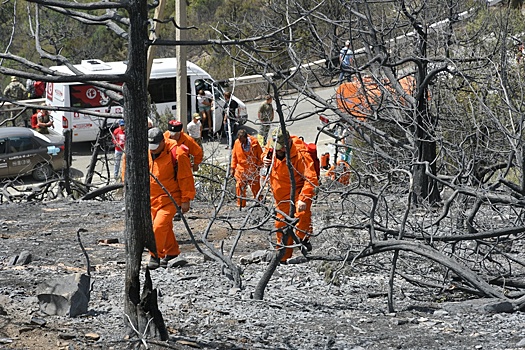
point(161, 87)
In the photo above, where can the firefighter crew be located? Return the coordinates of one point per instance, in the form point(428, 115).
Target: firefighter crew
point(305, 183)
point(175, 132)
point(245, 165)
point(178, 180)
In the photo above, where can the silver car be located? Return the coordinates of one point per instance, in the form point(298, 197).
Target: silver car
point(24, 151)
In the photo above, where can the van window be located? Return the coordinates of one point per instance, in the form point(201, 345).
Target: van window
point(162, 90)
point(3, 143)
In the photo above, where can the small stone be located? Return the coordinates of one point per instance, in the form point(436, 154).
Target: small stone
point(38, 321)
point(12, 260)
point(254, 257)
point(92, 336)
point(234, 291)
point(521, 343)
point(24, 258)
point(6, 340)
point(108, 241)
point(177, 263)
point(25, 329)
point(440, 313)
point(66, 336)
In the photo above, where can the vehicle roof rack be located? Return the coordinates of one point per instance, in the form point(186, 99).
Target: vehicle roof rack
point(95, 65)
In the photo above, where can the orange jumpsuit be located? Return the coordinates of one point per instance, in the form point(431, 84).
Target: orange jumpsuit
point(181, 189)
point(245, 165)
point(305, 183)
point(186, 140)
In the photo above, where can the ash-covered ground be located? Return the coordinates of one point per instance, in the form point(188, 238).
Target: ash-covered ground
point(300, 310)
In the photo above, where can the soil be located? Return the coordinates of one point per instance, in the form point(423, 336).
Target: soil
point(301, 308)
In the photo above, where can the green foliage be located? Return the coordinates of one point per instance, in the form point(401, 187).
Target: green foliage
point(163, 119)
point(209, 183)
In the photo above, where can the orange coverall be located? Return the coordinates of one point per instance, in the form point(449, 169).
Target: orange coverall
point(245, 166)
point(186, 140)
point(305, 183)
point(182, 190)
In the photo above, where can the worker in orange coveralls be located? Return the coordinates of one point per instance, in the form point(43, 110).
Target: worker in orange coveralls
point(280, 183)
point(175, 132)
point(245, 165)
point(178, 180)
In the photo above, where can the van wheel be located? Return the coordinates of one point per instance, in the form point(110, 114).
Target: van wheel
point(42, 172)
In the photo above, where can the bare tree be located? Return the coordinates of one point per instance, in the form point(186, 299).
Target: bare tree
point(437, 170)
point(430, 162)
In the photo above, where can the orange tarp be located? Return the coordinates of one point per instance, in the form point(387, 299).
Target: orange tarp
point(355, 98)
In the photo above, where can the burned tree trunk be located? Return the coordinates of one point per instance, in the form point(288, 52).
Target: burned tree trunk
point(139, 231)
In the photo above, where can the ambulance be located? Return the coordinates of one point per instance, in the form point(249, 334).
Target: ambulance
point(162, 89)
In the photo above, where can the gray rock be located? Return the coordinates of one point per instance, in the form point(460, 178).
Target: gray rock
point(12, 260)
point(256, 257)
point(486, 305)
point(38, 321)
point(499, 306)
point(67, 336)
point(440, 313)
point(65, 296)
point(24, 258)
point(521, 343)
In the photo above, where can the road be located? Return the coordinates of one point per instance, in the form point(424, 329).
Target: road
point(307, 128)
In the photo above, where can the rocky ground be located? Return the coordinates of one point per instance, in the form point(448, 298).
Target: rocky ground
point(300, 310)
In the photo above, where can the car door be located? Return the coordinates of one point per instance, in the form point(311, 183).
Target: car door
point(23, 153)
point(218, 110)
point(4, 170)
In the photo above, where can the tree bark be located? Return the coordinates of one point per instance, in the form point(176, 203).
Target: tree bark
point(139, 230)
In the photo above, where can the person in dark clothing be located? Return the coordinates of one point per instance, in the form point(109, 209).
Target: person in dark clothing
point(230, 115)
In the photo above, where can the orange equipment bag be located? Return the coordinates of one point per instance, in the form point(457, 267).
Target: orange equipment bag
point(325, 161)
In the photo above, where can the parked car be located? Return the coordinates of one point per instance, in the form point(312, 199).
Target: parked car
point(24, 151)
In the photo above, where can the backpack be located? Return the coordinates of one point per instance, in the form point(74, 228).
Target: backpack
point(174, 160)
point(312, 150)
point(39, 88)
point(34, 121)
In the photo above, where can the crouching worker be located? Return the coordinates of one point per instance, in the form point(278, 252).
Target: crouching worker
point(305, 182)
point(170, 165)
